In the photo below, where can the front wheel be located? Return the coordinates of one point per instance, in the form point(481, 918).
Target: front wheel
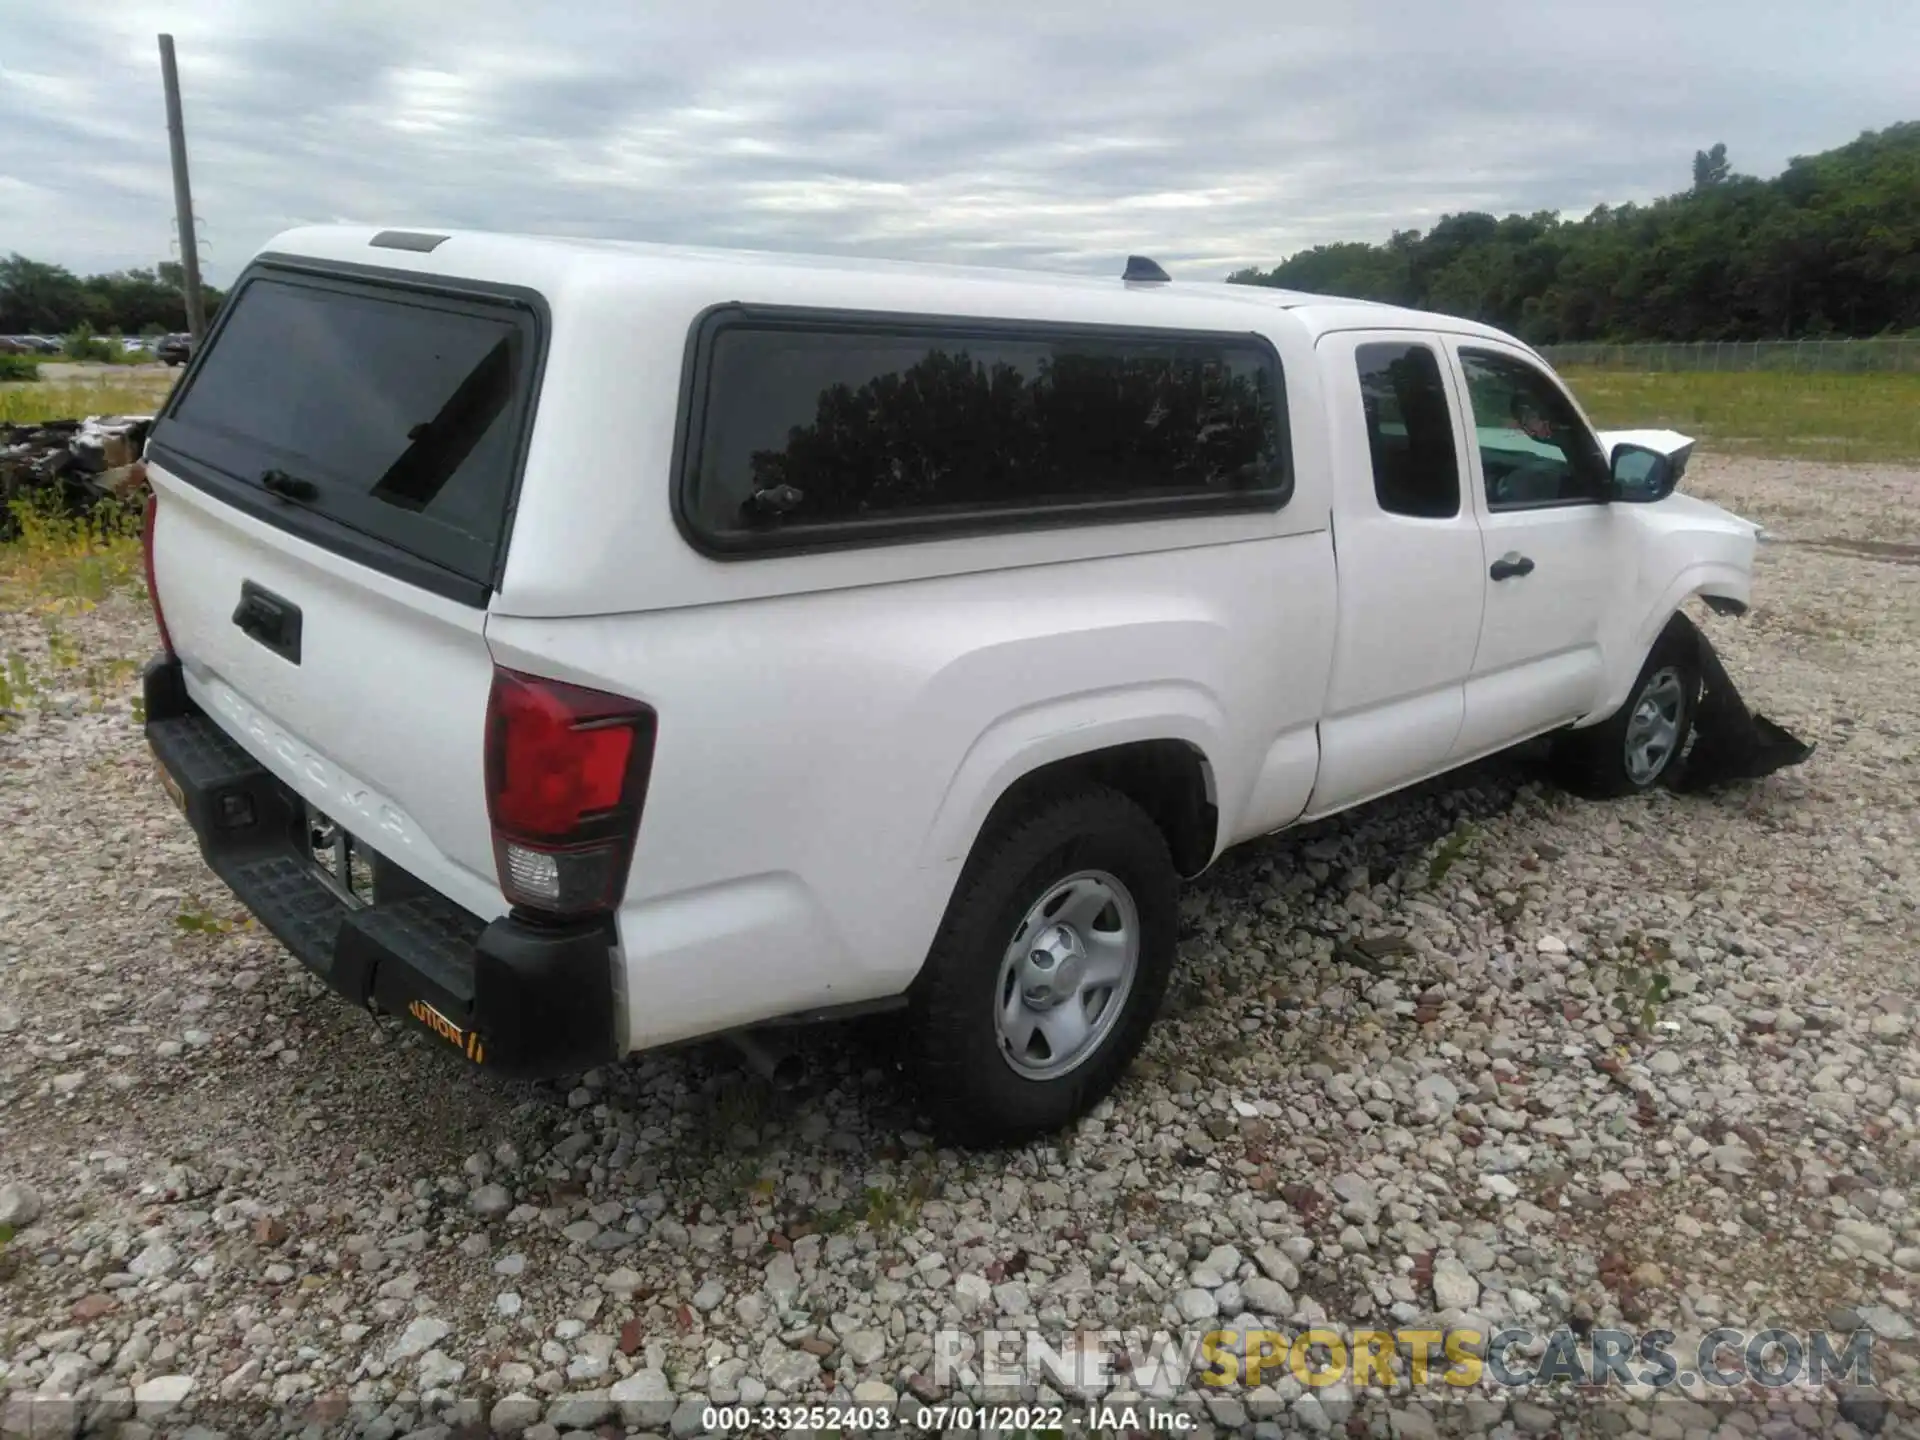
point(1048, 968)
point(1641, 743)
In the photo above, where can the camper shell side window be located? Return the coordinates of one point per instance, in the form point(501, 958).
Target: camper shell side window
point(806, 429)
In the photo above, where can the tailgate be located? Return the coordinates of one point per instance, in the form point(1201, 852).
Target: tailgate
point(334, 482)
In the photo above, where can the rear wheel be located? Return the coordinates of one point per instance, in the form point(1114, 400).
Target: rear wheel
point(1047, 970)
point(1640, 744)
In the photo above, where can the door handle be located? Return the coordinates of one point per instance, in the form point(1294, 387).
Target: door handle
point(1511, 564)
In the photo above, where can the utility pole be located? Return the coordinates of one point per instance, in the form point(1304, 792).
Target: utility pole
point(182, 192)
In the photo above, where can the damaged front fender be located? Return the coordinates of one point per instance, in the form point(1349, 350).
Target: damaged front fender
point(1730, 742)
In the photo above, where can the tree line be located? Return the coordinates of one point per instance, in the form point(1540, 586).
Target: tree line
point(41, 299)
point(1829, 247)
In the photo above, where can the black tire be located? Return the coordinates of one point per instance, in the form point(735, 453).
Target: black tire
point(972, 1090)
point(1594, 761)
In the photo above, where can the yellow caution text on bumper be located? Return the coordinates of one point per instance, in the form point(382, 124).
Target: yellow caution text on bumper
point(467, 1040)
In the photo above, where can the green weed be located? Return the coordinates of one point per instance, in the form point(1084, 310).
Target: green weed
point(19, 687)
point(730, 1181)
point(1642, 984)
point(24, 683)
point(1450, 852)
point(80, 343)
point(196, 919)
point(61, 650)
point(889, 1209)
point(69, 562)
point(836, 1221)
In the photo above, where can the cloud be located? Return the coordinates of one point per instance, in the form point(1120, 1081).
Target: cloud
point(1210, 135)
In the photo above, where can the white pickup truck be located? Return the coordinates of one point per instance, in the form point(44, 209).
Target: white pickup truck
point(581, 647)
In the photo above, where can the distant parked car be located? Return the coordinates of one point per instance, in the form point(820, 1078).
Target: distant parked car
point(11, 346)
point(174, 349)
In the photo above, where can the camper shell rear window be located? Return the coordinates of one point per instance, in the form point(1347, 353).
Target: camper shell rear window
point(384, 419)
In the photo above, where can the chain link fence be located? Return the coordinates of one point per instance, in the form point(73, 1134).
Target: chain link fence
point(1811, 356)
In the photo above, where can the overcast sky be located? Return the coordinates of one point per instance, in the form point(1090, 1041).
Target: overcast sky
point(1058, 133)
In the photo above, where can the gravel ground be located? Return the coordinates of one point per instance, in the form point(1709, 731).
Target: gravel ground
point(232, 1196)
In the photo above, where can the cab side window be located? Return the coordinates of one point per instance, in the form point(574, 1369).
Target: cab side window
point(1534, 447)
point(1409, 430)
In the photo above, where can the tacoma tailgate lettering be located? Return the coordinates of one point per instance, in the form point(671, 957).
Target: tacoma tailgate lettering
point(339, 795)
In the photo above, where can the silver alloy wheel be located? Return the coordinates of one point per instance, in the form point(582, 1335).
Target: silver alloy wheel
point(1064, 979)
point(1654, 727)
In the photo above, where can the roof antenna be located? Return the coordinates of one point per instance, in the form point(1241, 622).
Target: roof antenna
point(1141, 270)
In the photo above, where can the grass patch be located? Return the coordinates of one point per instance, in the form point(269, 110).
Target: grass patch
point(39, 402)
point(1799, 416)
point(62, 565)
point(66, 562)
point(19, 687)
point(19, 368)
point(36, 681)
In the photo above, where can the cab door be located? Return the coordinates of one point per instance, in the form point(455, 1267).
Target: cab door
point(1409, 559)
point(1559, 557)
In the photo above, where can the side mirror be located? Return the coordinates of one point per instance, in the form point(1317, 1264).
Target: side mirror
point(1641, 475)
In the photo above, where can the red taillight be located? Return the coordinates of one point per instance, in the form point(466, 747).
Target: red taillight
point(567, 775)
point(146, 555)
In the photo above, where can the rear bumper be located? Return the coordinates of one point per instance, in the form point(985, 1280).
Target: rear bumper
point(517, 997)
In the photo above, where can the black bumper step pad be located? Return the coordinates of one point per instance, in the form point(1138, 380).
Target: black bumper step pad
point(523, 996)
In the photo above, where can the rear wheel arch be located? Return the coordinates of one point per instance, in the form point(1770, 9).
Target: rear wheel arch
point(1171, 780)
point(1018, 1030)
